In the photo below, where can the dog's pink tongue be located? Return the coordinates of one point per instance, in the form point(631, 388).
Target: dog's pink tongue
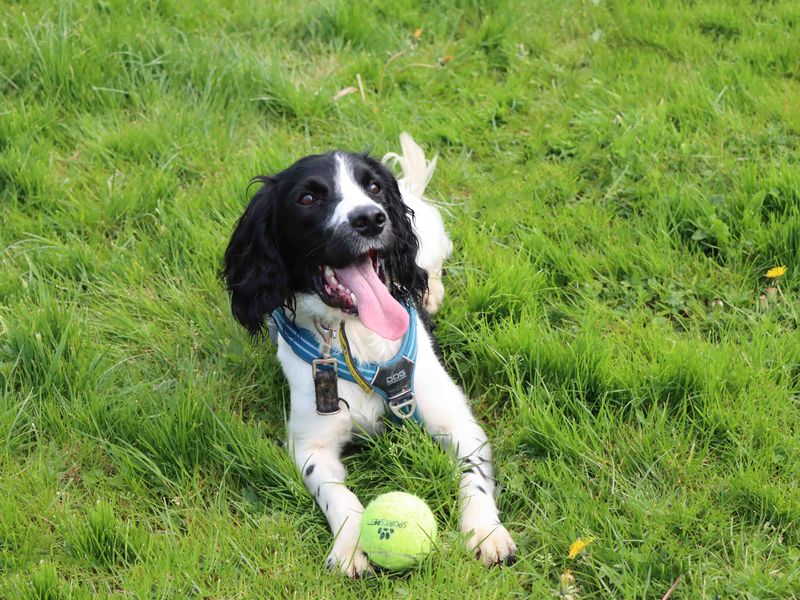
point(376, 308)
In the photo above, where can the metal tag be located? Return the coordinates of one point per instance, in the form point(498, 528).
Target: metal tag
point(326, 387)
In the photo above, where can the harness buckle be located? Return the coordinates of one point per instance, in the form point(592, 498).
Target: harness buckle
point(317, 362)
point(397, 408)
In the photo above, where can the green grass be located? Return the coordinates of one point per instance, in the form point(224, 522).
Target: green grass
point(617, 176)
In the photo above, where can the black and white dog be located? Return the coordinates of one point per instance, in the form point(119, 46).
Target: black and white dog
point(335, 238)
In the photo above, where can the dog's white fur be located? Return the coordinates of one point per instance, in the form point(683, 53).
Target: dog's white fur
point(316, 441)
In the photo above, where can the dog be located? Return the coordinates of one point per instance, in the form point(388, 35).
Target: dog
point(335, 244)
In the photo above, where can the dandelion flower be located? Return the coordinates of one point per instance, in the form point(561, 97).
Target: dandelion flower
point(776, 272)
point(578, 546)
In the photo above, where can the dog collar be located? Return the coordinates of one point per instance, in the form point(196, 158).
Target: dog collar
point(392, 380)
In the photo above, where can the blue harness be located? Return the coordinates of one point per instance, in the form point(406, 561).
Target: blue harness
point(393, 380)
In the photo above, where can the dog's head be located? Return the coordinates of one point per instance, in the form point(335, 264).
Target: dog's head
point(332, 226)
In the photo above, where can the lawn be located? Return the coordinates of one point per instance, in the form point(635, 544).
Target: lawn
point(617, 176)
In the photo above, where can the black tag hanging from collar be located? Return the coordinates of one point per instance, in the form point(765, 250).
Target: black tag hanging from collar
point(326, 387)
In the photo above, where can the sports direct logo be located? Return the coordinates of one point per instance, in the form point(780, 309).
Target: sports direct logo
point(387, 523)
point(395, 377)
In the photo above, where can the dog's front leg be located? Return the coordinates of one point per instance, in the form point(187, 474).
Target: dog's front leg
point(316, 442)
point(316, 454)
point(447, 417)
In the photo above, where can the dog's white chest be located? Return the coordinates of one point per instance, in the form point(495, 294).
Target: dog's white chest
point(360, 411)
point(366, 410)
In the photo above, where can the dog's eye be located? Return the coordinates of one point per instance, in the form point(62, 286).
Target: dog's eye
point(374, 189)
point(306, 199)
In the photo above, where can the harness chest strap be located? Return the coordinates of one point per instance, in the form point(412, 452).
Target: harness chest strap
point(392, 380)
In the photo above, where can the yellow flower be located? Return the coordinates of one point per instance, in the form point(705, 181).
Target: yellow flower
point(776, 272)
point(578, 546)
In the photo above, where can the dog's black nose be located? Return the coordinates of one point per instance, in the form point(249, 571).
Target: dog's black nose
point(367, 220)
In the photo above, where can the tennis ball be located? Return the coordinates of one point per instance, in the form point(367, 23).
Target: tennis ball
point(398, 530)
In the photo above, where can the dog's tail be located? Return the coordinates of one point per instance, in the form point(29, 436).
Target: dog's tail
point(417, 170)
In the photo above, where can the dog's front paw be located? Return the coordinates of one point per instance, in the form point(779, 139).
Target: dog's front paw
point(491, 543)
point(348, 559)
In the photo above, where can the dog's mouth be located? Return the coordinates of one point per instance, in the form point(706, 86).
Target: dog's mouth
point(361, 289)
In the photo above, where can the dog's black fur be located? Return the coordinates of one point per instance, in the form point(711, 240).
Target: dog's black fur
point(279, 243)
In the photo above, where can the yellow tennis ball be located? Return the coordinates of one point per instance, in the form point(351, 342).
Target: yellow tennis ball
point(398, 530)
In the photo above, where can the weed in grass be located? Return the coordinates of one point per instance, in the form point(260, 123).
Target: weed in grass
point(103, 541)
point(44, 585)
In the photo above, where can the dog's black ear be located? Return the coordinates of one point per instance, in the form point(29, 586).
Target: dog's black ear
point(254, 270)
point(411, 281)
